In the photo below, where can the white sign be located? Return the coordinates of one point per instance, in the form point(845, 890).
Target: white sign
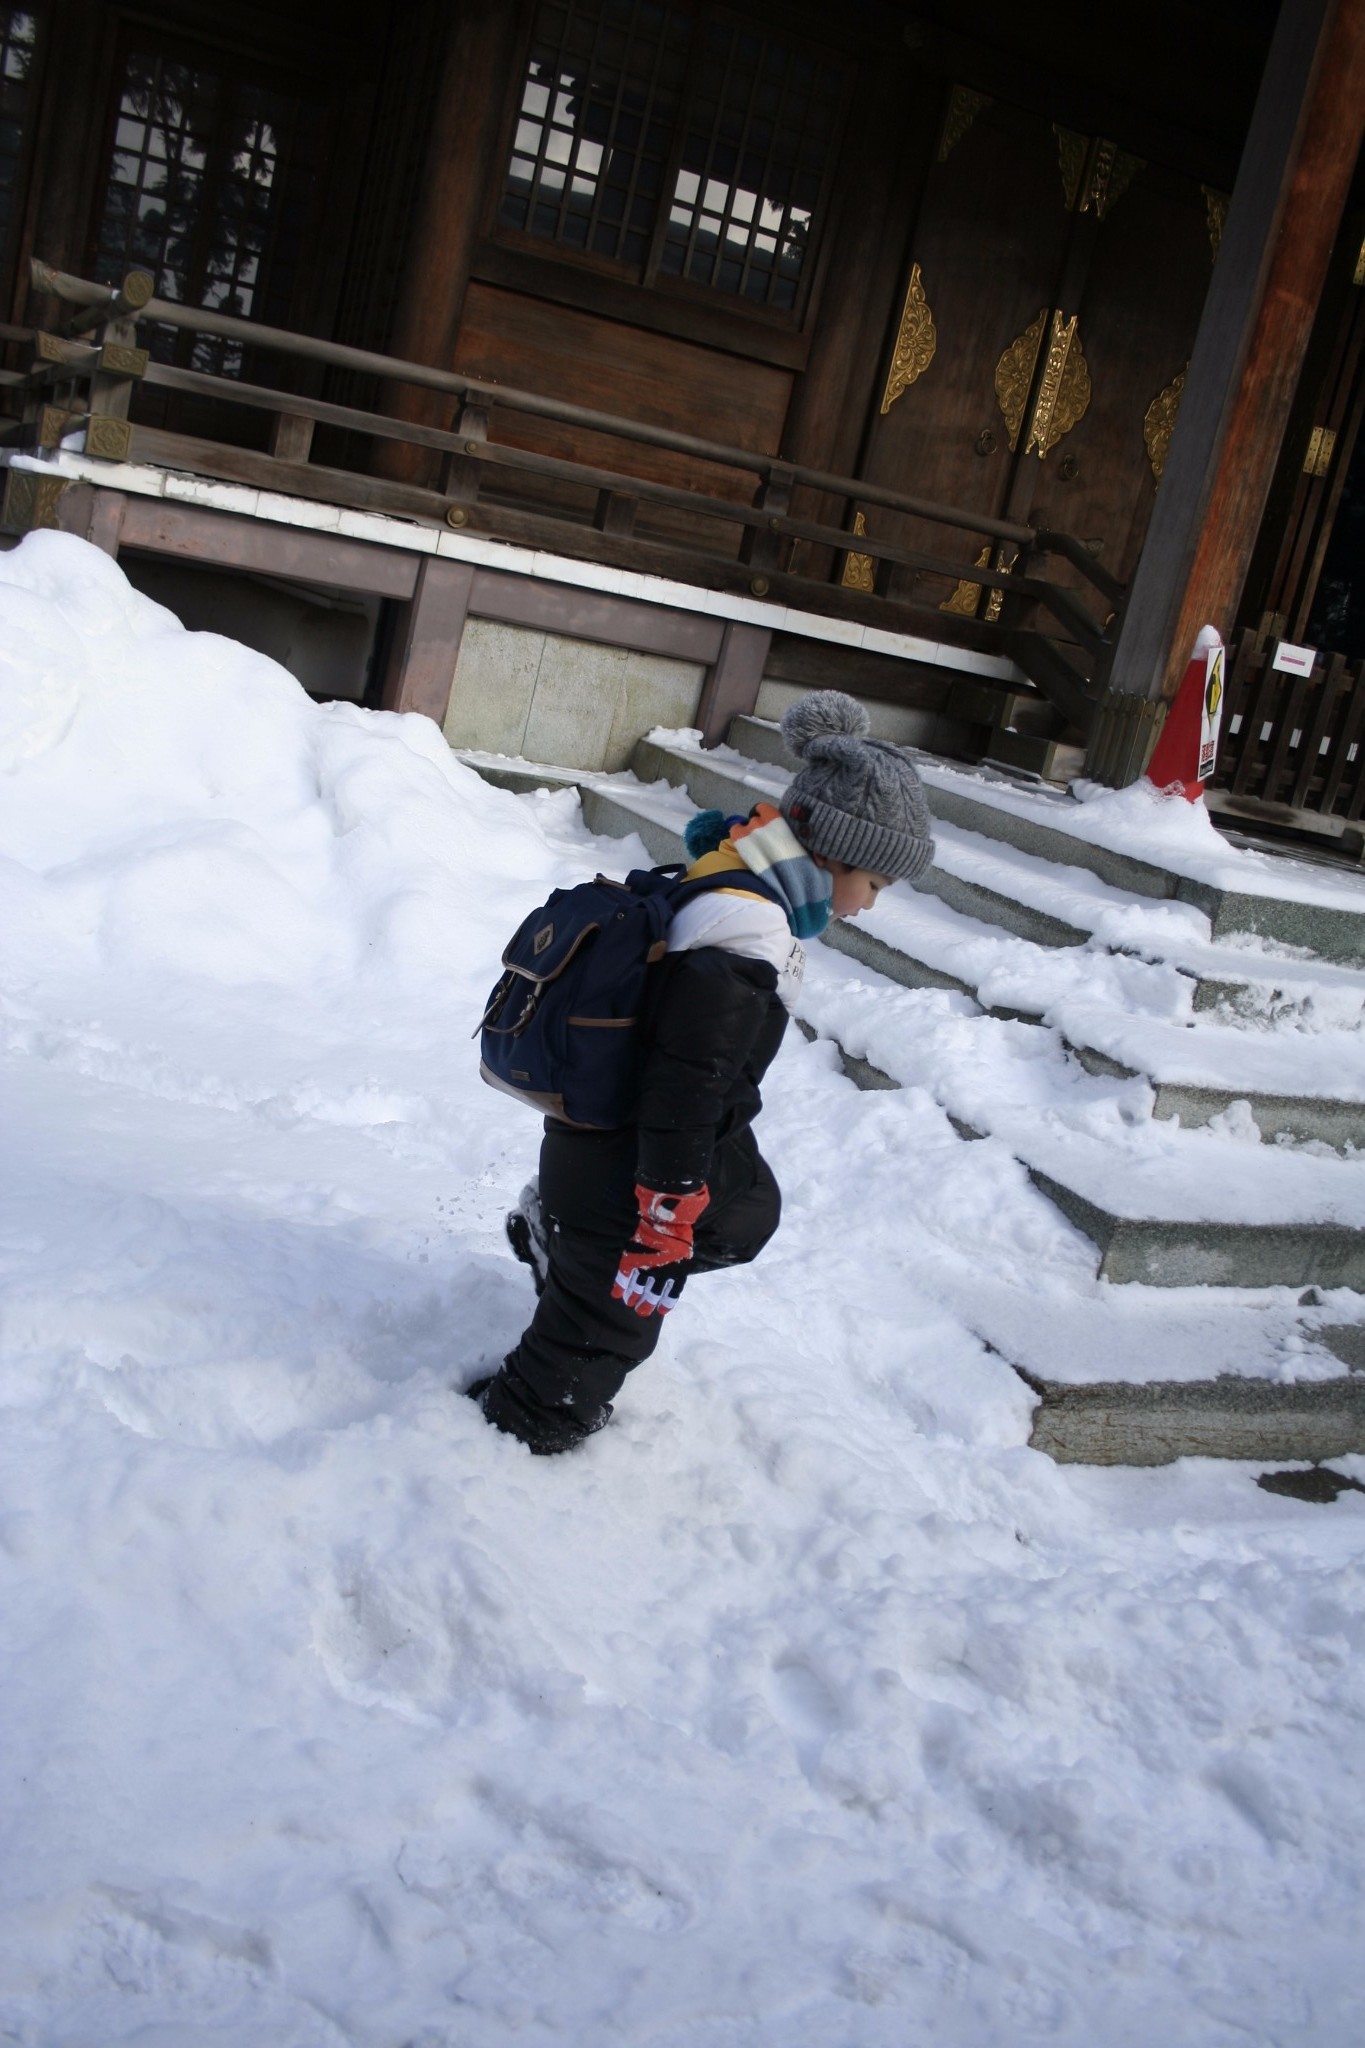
point(1211, 713)
point(1295, 661)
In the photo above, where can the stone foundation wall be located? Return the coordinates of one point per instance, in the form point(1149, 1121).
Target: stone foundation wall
point(550, 698)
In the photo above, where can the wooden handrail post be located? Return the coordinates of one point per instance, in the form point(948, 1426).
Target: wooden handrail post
point(291, 437)
point(462, 474)
point(1016, 605)
point(763, 546)
point(615, 512)
point(120, 364)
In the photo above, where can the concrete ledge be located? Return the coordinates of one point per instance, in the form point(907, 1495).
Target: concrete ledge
point(890, 960)
point(861, 1073)
point(1330, 933)
point(1345, 1341)
point(758, 739)
point(1296, 1116)
point(1117, 1423)
point(1156, 1253)
point(522, 780)
point(613, 818)
point(719, 785)
point(989, 906)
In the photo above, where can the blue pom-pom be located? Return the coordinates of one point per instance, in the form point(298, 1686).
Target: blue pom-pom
point(704, 833)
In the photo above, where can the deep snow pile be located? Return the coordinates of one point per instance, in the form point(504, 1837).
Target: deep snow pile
point(803, 1707)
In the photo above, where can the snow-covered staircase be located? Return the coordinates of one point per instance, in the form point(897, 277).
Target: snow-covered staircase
point(1201, 1091)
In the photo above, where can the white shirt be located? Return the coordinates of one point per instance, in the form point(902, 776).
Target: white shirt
point(752, 926)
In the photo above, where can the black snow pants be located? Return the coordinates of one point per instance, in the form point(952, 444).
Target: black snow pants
point(581, 1343)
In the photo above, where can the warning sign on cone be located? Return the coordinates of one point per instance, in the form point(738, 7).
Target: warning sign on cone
point(1187, 751)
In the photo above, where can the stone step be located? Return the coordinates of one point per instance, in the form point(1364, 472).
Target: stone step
point(1321, 1117)
point(1324, 918)
point(1051, 760)
point(1261, 1216)
point(1329, 1119)
point(1111, 1422)
point(1157, 1251)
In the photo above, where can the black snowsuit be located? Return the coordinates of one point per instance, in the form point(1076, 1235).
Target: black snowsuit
point(714, 1027)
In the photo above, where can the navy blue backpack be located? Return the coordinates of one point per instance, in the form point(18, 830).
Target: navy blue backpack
point(562, 1030)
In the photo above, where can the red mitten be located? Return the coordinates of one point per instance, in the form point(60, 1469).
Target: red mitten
point(663, 1237)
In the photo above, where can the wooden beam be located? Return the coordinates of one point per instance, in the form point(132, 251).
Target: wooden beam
point(1286, 207)
point(1060, 91)
point(93, 515)
point(427, 648)
point(732, 683)
point(228, 541)
point(595, 615)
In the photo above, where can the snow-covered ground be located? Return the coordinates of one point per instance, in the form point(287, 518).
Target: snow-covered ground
point(805, 1707)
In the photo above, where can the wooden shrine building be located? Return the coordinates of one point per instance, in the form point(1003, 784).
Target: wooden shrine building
point(564, 367)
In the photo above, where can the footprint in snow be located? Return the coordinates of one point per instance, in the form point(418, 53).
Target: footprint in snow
point(806, 1708)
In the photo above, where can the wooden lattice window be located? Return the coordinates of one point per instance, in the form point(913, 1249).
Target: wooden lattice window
point(678, 141)
point(18, 40)
point(595, 126)
point(206, 173)
point(756, 145)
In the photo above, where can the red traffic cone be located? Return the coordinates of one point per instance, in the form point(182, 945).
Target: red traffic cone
point(1184, 756)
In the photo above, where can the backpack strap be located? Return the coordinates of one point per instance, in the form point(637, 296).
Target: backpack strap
point(742, 882)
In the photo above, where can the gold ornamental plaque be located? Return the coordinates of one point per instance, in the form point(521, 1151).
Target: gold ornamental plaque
point(916, 342)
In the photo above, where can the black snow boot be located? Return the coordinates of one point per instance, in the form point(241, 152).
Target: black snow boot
point(508, 1403)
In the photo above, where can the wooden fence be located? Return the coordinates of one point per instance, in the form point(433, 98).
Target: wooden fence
point(1294, 741)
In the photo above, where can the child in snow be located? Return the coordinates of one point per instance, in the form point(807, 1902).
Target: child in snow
point(621, 1218)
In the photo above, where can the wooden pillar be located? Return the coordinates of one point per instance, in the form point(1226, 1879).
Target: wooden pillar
point(476, 83)
point(1291, 187)
point(69, 139)
point(427, 645)
point(733, 680)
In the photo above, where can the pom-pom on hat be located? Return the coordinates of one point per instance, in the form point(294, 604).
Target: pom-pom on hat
point(854, 799)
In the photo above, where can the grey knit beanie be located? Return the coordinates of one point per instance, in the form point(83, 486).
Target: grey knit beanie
point(853, 799)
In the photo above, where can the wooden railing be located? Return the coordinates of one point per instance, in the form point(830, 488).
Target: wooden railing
point(1296, 742)
point(1058, 625)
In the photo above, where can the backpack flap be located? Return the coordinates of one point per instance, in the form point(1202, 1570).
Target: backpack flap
point(538, 953)
point(561, 1028)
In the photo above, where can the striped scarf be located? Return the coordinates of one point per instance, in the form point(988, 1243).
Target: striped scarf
point(770, 849)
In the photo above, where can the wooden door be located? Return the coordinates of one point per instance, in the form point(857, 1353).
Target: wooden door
point(1055, 284)
point(985, 256)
